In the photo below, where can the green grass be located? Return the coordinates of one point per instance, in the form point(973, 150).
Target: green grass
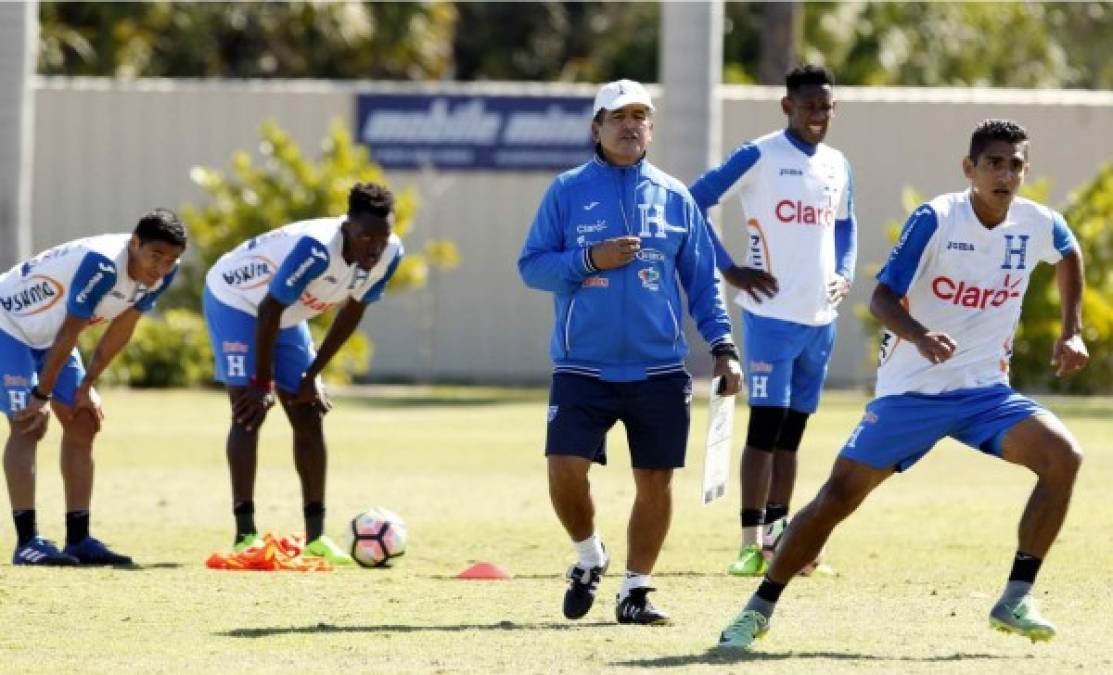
point(919, 565)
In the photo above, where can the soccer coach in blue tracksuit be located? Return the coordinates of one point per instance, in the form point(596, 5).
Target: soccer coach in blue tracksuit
point(610, 241)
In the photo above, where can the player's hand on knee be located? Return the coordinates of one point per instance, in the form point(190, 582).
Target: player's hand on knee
point(1069, 355)
point(754, 281)
point(33, 419)
point(936, 347)
point(251, 406)
point(88, 401)
point(312, 393)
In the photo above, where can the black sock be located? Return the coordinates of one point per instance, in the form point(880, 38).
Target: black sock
point(314, 520)
point(77, 527)
point(25, 528)
point(1025, 567)
point(774, 512)
point(245, 518)
point(752, 517)
point(769, 590)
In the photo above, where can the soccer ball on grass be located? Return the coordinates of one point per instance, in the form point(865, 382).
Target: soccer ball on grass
point(378, 536)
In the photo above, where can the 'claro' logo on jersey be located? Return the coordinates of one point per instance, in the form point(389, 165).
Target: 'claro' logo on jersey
point(796, 211)
point(253, 272)
point(975, 297)
point(38, 294)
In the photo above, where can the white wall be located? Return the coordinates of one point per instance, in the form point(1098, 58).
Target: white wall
point(106, 151)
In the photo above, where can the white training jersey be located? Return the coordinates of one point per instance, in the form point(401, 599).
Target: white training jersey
point(792, 194)
point(966, 280)
point(86, 277)
point(302, 266)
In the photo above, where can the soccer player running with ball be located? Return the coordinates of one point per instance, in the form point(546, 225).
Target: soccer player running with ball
point(614, 240)
point(258, 299)
point(797, 194)
point(950, 298)
point(45, 303)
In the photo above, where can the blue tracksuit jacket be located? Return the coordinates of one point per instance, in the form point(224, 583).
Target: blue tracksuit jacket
point(623, 324)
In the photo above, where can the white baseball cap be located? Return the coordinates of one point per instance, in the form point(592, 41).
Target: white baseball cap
point(619, 93)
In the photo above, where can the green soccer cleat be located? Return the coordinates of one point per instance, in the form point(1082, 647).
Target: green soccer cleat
point(247, 541)
point(324, 547)
point(750, 563)
point(748, 626)
point(1022, 618)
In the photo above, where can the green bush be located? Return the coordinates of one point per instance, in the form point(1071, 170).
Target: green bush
point(1088, 212)
point(252, 199)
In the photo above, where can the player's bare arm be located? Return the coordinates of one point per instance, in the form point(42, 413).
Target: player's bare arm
point(34, 417)
point(753, 281)
point(252, 403)
point(346, 322)
point(887, 307)
point(616, 252)
point(115, 338)
point(1070, 354)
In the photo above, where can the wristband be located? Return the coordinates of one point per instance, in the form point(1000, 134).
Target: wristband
point(725, 349)
point(258, 383)
point(37, 393)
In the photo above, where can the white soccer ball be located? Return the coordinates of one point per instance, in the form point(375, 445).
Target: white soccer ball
point(378, 536)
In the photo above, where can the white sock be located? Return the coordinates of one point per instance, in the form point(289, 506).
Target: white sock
point(590, 552)
point(632, 580)
point(751, 536)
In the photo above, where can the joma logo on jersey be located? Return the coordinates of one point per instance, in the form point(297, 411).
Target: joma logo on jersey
point(959, 246)
point(791, 172)
point(254, 272)
point(789, 211)
point(38, 296)
point(975, 297)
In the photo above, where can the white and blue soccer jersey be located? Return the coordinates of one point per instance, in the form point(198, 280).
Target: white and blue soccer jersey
point(966, 280)
point(87, 278)
point(800, 226)
point(302, 266)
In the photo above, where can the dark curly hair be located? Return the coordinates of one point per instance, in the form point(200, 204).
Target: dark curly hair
point(808, 74)
point(161, 225)
point(370, 198)
point(991, 130)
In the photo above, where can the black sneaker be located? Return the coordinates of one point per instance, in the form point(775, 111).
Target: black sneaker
point(637, 608)
point(582, 584)
point(92, 551)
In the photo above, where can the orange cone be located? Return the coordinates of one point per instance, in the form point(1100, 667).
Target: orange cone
point(485, 570)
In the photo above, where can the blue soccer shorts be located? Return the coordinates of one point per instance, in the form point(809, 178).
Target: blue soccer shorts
point(898, 430)
point(785, 363)
point(19, 371)
point(232, 335)
point(656, 413)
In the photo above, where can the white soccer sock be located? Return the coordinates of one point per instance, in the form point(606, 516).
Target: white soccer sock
point(632, 580)
point(590, 551)
point(751, 535)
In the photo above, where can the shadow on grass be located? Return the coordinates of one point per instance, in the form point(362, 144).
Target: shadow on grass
point(717, 657)
point(560, 575)
point(320, 628)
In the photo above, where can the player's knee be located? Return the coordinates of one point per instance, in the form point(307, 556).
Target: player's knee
point(80, 430)
point(837, 499)
point(792, 430)
point(765, 427)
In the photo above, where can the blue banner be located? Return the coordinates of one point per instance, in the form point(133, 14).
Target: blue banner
point(469, 133)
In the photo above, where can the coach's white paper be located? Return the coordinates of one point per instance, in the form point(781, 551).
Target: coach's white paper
point(720, 429)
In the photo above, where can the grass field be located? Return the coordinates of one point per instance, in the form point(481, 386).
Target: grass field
point(919, 565)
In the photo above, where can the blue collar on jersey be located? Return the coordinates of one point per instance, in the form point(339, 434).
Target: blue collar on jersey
point(803, 147)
